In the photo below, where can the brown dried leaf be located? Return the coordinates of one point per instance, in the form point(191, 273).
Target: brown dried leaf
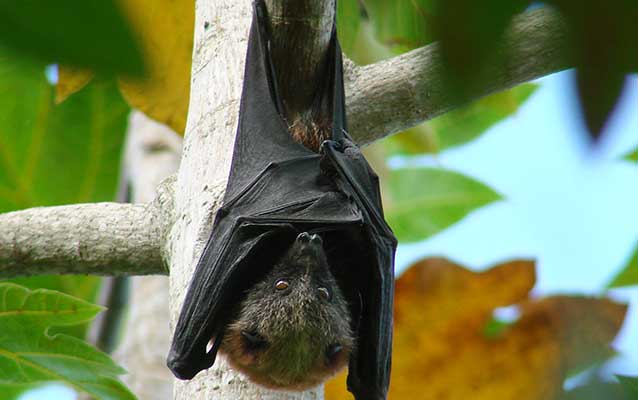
point(441, 350)
point(166, 31)
point(71, 80)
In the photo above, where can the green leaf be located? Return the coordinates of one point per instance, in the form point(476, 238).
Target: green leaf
point(348, 22)
point(632, 156)
point(604, 50)
point(629, 274)
point(29, 354)
point(83, 287)
point(494, 328)
point(424, 201)
point(595, 389)
point(13, 392)
point(465, 124)
point(468, 32)
point(89, 34)
point(57, 154)
point(630, 385)
point(402, 24)
point(462, 125)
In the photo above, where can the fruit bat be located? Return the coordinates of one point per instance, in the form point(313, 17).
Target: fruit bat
point(299, 245)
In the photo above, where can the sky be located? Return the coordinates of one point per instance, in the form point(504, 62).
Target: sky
point(570, 207)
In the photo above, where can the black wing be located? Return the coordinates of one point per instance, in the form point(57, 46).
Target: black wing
point(278, 188)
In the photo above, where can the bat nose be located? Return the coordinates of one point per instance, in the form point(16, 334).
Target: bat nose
point(314, 239)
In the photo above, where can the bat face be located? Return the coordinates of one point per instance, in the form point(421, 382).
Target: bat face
point(292, 330)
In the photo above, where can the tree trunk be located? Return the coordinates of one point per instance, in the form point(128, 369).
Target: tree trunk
point(152, 154)
point(221, 31)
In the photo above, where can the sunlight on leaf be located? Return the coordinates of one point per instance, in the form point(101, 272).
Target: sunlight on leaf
point(348, 22)
point(632, 156)
point(50, 155)
point(401, 25)
point(166, 30)
point(629, 274)
point(440, 350)
point(462, 125)
point(424, 201)
point(57, 154)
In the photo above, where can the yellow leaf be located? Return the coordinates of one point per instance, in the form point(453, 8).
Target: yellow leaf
point(70, 81)
point(165, 28)
point(441, 350)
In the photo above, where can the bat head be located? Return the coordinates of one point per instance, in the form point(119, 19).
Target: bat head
point(292, 329)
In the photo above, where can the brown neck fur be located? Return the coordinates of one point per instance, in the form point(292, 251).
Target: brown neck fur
point(310, 133)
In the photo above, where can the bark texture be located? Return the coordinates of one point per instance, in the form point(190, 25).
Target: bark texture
point(301, 31)
point(152, 154)
point(97, 239)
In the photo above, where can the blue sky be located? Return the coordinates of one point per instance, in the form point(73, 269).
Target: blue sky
point(571, 208)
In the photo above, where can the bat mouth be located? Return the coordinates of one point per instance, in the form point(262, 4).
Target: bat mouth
point(253, 341)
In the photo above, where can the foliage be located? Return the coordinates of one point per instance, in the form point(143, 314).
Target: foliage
point(629, 274)
point(348, 21)
point(460, 126)
point(165, 29)
point(601, 34)
point(29, 354)
point(80, 140)
point(57, 154)
point(468, 32)
point(632, 156)
point(441, 310)
point(424, 201)
point(92, 34)
point(630, 385)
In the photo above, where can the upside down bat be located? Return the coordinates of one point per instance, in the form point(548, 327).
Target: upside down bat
point(296, 279)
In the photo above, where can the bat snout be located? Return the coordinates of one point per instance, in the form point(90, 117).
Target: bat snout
point(307, 238)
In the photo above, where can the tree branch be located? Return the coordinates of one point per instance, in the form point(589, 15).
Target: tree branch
point(301, 32)
point(98, 239)
point(401, 92)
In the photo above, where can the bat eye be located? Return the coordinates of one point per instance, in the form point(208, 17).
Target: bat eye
point(324, 293)
point(282, 284)
point(333, 351)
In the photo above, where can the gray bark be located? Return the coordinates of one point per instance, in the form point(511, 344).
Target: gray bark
point(152, 154)
point(98, 239)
